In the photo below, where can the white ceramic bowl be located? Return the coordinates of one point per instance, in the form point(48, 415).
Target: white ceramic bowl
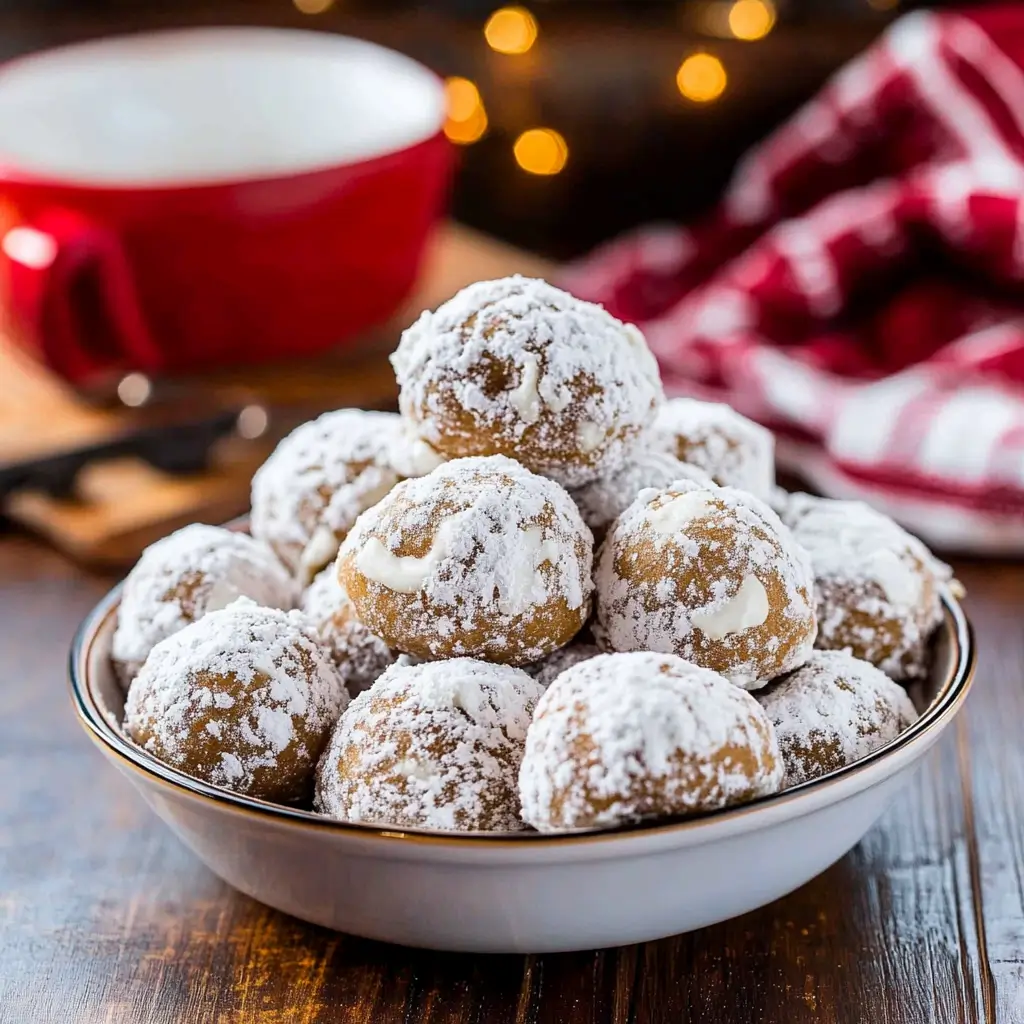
point(527, 893)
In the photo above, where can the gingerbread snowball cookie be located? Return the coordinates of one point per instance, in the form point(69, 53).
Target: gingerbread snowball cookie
point(481, 558)
point(710, 574)
point(245, 698)
point(624, 737)
point(517, 367)
point(833, 711)
point(436, 745)
point(877, 587)
point(180, 578)
point(310, 491)
point(734, 451)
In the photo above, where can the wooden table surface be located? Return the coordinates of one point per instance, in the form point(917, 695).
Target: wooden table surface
point(105, 917)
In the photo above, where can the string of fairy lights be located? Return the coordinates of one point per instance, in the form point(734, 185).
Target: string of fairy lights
point(513, 31)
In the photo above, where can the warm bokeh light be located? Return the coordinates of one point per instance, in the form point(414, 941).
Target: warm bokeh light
point(751, 19)
point(511, 30)
point(541, 151)
point(134, 390)
point(701, 78)
point(467, 118)
point(313, 6)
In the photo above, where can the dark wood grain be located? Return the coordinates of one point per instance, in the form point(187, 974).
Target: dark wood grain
point(104, 917)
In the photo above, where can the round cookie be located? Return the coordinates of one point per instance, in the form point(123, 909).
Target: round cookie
point(481, 558)
point(602, 501)
point(624, 737)
point(360, 656)
point(877, 587)
point(735, 451)
point(244, 698)
point(548, 669)
point(516, 367)
point(310, 491)
point(833, 711)
point(436, 745)
point(180, 578)
point(710, 574)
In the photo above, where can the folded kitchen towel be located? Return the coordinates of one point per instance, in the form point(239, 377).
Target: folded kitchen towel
point(860, 288)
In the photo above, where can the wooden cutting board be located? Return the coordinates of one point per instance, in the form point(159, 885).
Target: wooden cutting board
point(120, 506)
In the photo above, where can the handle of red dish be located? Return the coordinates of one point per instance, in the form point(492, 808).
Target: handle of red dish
point(71, 297)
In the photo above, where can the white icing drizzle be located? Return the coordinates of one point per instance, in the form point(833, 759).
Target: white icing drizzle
point(405, 574)
point(671, 517)
point(747, 608)
point(654, 728)
point(589, 436)
point(526, 397)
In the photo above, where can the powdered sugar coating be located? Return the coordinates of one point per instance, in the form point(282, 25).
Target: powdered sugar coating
point(550, 668)
point(360, 656)
point(877, 587)
point(604, 500)
point(623, 737)
point(711, 575)
point(480, 558)
point(517, 367)
point(833, 711)
point(436, 745)
point(308, 494)
point(181, 578)
point(735, 451)
point(244, 698)
point(409, 455)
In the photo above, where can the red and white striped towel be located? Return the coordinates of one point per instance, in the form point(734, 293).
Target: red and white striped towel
point(860, 289)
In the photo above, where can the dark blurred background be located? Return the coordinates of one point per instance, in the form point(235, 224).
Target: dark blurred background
point(634, 132)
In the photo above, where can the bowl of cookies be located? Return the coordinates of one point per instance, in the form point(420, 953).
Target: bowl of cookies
point(543, 661)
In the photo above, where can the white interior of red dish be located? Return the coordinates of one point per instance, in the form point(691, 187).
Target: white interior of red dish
point(211, 105)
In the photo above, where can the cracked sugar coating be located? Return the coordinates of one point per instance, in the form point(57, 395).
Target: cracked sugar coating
point(436, 745)
point(833, 711)
point(516, 367)
point(735, 451)
point(604, 500)
point(481, 558)
point(360, 655)
point(710, 574)
point(245, 699)
point(548, 669)
point(877, 587)
point(310, 491)
point(181, 578)
point(624, 737)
